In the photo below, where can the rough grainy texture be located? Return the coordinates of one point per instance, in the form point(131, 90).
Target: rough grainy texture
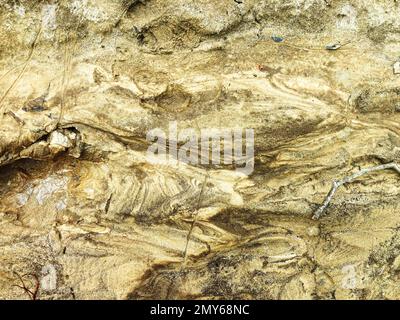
point(87, 214)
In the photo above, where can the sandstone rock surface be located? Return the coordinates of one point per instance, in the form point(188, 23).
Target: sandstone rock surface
point(86, 214)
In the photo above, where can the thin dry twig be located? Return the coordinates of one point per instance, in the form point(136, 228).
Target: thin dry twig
point(21, 73)
point(69, 52)
point(188, 237)
point(32, 294)
point(128, 5)
point(337, 183)
point(194, 220)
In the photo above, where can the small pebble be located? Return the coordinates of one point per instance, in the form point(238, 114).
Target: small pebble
point(396, 264)
point(313, 231)
point(396, 68)
point(333, 46)
point(277, 39)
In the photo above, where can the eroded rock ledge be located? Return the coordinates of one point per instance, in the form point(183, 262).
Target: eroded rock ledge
point(84, 211)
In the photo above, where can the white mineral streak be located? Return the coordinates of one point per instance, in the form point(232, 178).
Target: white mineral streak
point(48, 281)
point(83, 8)
point(49, 20)
point(47, 187)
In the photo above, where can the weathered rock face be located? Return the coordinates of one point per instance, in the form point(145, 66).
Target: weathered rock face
point(85, 213)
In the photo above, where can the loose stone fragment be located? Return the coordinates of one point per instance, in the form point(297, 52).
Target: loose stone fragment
point(277, 39)
point(333, 47)
point(396, 67)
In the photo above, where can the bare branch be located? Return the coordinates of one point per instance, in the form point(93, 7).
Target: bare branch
point(337, 184)
point(32, 294)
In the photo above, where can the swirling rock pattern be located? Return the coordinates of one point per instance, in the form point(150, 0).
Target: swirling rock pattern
point(86, 212)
